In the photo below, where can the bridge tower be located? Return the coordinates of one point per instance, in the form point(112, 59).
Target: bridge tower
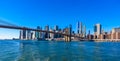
point(68, 31)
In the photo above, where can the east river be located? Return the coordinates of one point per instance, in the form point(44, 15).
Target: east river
point(58, 51)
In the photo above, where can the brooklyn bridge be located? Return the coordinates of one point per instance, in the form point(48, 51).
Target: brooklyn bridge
point(67, 34)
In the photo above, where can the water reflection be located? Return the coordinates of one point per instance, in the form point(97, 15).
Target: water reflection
point(97, 53)
point(59, 51)
point(48, 51)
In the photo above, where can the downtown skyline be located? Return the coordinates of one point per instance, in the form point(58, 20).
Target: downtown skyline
point(80, 30)
point(62, 13)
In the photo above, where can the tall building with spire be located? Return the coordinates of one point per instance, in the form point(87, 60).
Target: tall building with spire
point(78, 28)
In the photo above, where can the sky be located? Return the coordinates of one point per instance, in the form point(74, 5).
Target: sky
point(33, 13)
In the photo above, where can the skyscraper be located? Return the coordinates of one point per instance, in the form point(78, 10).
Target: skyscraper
point(33, 35)
point(47, 29)
point(78, 27)
point(84, 31)
point(41, 33)
point(23, 34)
point(89, 32)
point(97, 29)
point(81, 30)
point(28, 34)
point(56, 28)
point(20, 36)
point(37, 34)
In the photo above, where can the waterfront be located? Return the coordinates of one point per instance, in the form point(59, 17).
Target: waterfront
point(59, 51)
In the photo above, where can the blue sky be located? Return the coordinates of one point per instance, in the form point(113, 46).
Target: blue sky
point(32, 13)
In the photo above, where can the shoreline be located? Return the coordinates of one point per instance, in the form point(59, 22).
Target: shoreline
point(106, 40)
point(93, 40)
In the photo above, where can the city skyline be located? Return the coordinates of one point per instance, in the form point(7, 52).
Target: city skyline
point(60, 12)
point(33, 35)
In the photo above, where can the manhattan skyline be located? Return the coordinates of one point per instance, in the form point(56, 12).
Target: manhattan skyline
point(33, 13)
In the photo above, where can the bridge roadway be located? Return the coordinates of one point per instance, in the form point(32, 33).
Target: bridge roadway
point(26, 28)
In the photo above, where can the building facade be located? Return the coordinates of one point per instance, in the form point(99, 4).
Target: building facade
point(115, 33)
point(97, 30)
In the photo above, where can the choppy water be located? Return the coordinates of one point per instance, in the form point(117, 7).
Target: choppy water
point(59, 51)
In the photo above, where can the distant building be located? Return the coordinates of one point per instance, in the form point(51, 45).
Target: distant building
point(23, 34)
point(102, 36)
point(89, 32)
point(84, 31)
point(115, 33)
point(56, 28)
point(73, 32)
point(81, 28)
point(115, 30)
point(59, 35)
point(20, 36)
point(37, 34)
point(109, 36)
point(47, 29)
point(70, 29)
point(28, 35)
point(41, 33)
point(97, 30)
point(90, 37)
point(33, 35)
point(78, 28)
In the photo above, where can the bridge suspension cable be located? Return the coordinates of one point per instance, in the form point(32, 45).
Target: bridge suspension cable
point(2, 22)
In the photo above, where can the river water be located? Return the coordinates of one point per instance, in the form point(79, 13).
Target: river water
point(58, 51)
